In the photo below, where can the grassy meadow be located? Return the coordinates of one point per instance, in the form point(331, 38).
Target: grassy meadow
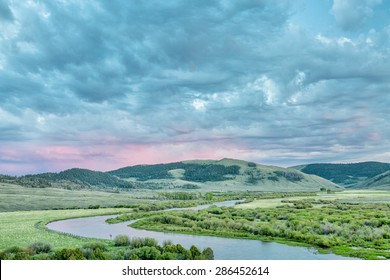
point(350, 222)
point(22, 228)
point(347, 196)
point(16, 197)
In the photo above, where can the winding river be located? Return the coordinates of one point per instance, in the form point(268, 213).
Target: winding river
point(224, 248)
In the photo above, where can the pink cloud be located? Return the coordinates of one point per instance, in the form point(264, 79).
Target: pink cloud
point(109, 157)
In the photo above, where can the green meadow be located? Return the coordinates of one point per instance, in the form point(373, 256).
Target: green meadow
point(23, 228)
point(350, 222)
point(16, 197)
point(347, 196)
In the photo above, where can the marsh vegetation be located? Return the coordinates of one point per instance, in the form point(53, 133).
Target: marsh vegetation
point(347, 228)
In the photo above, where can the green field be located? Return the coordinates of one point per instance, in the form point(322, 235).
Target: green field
point(20, 228)
point(23, 235)
point(353, 196)
point(352, 223)
point(15, 197)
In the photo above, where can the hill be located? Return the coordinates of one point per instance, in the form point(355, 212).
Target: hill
point(201, 175)
point(349, 174)
point(222, 175)
point(74, 178)
point(380, 182)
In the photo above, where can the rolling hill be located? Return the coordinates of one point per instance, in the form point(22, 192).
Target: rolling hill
point(349, 174)
point(75, 178)
point(379, 182)
point(201, 175)
point(223, 175)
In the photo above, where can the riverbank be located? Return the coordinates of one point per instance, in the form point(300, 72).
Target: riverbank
point(332, 228)
point(224, 248)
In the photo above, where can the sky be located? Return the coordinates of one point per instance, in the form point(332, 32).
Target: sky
point(107, 84)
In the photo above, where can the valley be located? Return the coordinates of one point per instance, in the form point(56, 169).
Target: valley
point(278, 204)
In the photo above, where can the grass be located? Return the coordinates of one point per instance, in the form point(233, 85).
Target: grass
point(357, 230)
point(20, 228)
point(23, 228)
point(355, 196)
point(352, 223)
point(15, 198)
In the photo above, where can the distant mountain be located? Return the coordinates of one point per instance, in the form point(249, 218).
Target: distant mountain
point(223, 175)
point(349, 174)
point(380, 182)
point(77, 177)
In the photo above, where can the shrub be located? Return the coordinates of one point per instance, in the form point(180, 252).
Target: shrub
point(40, 247)
point(21, 256)
point(208, 253)
point(95, 251)
point(143, 253)
point(13, 250)
point(3, 256)
point(97, 254)
point(142, 242)
point(121, 240)
point(195, 253)
point(168, 256)
point(69, 254)
point(96, 246)
point(167, 243)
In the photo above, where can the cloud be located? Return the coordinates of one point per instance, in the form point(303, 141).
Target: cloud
point(352, 14)
point(237, 78)
point(5, 12)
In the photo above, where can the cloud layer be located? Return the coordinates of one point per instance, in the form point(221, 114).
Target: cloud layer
point(102, 85)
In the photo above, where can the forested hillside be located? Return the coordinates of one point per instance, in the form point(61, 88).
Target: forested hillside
point(349, 174)
point(81, 176)
point(192, 172)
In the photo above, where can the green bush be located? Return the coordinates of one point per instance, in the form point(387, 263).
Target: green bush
point(95, 254)
point(208, 253)
point(69, 254)
point(143, 253)
point(121, 240)
point(3, 256)
point(143, 242)
point(40, 247)
point(13, 250)
point(96, 246)
point(195, 253)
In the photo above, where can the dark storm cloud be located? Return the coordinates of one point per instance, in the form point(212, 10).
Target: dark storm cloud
point(238, 77)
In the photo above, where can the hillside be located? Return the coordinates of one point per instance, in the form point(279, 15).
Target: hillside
point(222, 175)
point(201, 175)
point(349, 174)
point(76, 177)
point(192, 171)
point(380, 182)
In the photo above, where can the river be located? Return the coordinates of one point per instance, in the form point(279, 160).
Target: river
point(224, 248)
